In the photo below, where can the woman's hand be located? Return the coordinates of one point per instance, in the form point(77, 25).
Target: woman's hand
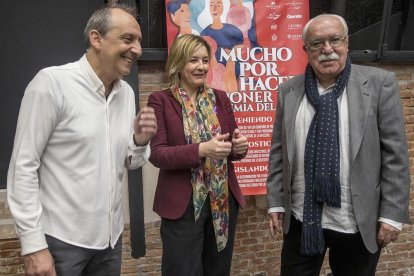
point(239, 142)
point(217, 148)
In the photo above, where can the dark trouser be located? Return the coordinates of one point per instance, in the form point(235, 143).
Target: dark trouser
point(347, 254)
point(189, 247)
point(71, 260)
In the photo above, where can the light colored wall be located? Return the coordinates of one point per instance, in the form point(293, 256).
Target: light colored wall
point(7, 230)
point(125, 198)
point(149, 176)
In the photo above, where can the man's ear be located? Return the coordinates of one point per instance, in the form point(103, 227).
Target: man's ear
point(304, 47)
point(95, 39)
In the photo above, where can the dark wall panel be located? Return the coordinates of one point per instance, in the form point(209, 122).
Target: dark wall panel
point(34, 35)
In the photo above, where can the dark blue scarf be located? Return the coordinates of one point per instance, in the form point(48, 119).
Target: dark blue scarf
point(321, 159)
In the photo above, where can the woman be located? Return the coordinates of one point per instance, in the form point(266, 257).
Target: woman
point(197, 194)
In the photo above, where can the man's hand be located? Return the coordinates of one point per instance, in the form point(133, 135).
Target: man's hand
point(145, 126)
point(217, 148)
point(39, 263)
point(239, 142)
point(274, 224)
point(386, 234)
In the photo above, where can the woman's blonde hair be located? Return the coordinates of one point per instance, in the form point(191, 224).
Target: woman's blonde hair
point(181, 51)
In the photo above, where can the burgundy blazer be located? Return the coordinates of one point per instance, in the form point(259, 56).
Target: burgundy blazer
point(175, 158)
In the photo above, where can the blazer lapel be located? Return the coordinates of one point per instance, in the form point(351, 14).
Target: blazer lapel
point(358, 106)
point(291, 106)
point(176, 105)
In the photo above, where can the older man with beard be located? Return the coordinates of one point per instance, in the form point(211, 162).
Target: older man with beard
point(338, 168)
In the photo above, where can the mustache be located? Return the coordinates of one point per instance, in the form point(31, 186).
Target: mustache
point(332, 56)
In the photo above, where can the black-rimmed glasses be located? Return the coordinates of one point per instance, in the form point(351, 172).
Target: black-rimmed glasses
point(317, 44)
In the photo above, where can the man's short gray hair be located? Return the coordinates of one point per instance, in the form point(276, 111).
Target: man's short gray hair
point(100, 20)
point(338, 17)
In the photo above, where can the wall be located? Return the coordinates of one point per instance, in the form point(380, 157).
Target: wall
point(255, 252)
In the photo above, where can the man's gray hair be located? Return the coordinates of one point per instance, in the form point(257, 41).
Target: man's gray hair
point(338, 17)
point(100, 20)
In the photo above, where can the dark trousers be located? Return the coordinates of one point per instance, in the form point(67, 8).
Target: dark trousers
point(71, 260)
point(347, 254)
point(189, 247)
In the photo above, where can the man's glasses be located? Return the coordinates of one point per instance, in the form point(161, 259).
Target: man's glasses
point(334, 41)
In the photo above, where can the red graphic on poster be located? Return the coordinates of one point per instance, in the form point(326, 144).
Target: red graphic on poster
point(256, 45)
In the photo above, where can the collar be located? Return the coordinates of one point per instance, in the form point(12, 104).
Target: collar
point(322, 90)
point(93, 80)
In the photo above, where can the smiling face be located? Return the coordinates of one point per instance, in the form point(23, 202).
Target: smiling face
point(195, 70)
point(216, 8)
point(329, 61)
point(120, 47)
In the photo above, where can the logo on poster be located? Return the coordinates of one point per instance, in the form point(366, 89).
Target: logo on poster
point(294, 36)
point(273, 5)
point(273, 16)
point(294, 16)
point(294, 5)
point(296, 26)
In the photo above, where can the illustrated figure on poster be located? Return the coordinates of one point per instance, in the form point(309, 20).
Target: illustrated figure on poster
point(226, 36)
point(241, 15)
point(196, 8)
point(180, 15)
point(216, 78)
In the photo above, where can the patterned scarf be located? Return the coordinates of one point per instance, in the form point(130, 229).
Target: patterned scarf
point(201, 125)
point(321, 159)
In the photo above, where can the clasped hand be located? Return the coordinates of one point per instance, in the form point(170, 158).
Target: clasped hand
point(220, 147)
point(239, 142)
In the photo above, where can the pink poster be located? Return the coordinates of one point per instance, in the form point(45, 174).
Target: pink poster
point(256, 45)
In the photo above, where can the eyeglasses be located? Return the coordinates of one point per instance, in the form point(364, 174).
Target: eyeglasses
point(317, 44)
